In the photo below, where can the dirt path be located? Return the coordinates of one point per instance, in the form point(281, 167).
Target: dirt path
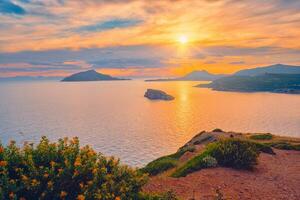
point(275, 177)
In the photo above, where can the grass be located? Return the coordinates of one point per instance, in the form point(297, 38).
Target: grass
point(284, 145)
point(165, 163)
point(235, 153)
point(264, 136)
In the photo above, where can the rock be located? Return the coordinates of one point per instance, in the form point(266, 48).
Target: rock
point(157, 95)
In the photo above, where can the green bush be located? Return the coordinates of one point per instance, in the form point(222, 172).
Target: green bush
point(63, 170)
point(210, 161)
point(233, 153)
point(166, 162)
point(285, 146)
point(265, 136)
point(265, 148)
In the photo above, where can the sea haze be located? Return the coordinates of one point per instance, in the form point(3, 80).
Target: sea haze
point(116, 119)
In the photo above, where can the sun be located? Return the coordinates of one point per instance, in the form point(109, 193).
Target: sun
point(182, 39)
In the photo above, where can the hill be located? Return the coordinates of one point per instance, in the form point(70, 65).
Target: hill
point(90, 75)
point(210, 177)
point(273, 69)
point(202, 75)
point(278, 83)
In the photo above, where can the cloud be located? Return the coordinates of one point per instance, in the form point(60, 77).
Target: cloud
point(8, 7)
point(110, 24)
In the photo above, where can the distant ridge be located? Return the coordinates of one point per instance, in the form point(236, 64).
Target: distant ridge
point(272, 69)
point(202, 75)
point(90, 75)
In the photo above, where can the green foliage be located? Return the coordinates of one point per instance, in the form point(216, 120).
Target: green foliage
point(210, 161)
point(63, 170)
point(285, 146)
point(166, 162)
point(196, 163)
point(265, 148)
point(233, 153)
point(265, 136)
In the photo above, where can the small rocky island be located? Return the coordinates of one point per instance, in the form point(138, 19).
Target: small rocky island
point(157, 95)
point(90, 75)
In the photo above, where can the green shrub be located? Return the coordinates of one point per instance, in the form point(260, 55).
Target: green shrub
point(265, 136)
point(265, 148)
point(63, 170)
point(233, 153)
point(166, 162)
point(285, 146)
point(210, 161)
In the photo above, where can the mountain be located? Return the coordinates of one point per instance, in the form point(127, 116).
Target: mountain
point(273, 69)
point(202, 75)
point(278, 83)
point(90, 75)
point(30, 78)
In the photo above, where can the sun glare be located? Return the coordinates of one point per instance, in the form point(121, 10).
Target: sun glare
point(183, 39)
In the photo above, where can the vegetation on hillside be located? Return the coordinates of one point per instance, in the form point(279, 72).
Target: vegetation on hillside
point(240, 154)
point(264, 136)
point(164, 163)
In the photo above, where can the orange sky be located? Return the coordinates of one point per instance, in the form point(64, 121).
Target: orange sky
point(222, 36)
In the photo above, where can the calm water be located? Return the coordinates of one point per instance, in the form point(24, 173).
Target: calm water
point(116, 119)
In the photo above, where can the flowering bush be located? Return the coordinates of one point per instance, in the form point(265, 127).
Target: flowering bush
point(63, 170)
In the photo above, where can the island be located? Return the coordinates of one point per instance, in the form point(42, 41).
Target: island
point(90, 75)
point(277, 83)
point(157, 95)
point(201, 75)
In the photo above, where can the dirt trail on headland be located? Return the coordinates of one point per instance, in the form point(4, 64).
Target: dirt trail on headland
point(275, 177)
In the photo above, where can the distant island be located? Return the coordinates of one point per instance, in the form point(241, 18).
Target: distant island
point(276, 78)
point(202, 75)
point(272, 69)
point(158, 95)
point(90, 75)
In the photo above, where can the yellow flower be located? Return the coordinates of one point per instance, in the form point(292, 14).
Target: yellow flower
point(50, 184)
point(52, 163)
point(77, 162)
point(3, 163)
point(24, 178)
point(11, 195)
point(80, 197)
point(81, 185)
point(63, 194)
point(34, 182)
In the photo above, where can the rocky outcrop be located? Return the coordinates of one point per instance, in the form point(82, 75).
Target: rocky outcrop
point(157, 95)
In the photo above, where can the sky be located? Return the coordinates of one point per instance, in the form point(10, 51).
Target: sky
point(163, 38)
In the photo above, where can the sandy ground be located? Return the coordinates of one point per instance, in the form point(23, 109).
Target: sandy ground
point(275, 177)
